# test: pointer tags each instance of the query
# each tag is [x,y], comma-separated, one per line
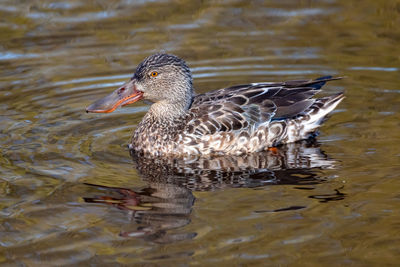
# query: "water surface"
[72,194]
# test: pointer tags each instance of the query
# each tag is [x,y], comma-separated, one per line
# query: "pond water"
[72,194]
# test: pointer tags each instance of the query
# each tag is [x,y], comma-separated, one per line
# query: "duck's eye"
[154,74]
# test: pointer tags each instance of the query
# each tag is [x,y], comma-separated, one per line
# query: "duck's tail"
[318,112]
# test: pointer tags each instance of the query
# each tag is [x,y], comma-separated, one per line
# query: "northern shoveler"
[235,120]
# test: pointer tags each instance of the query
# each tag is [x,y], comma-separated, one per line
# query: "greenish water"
[72,195]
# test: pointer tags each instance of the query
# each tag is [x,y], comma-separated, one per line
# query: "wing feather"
[239,107]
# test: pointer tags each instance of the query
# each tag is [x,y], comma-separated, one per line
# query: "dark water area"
[71,193]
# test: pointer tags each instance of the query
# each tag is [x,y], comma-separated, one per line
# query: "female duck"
[235,120]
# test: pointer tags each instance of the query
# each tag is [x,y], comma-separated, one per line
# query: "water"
[72,194]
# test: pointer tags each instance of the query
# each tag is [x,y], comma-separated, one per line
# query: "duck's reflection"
[167,201]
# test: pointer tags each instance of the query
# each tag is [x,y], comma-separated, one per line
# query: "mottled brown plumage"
[235,120]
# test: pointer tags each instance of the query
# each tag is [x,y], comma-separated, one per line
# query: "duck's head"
[160,78]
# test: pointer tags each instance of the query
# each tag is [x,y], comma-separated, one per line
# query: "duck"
[237,120]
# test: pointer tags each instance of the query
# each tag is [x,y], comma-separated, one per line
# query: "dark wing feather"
[224,116]
[242,106]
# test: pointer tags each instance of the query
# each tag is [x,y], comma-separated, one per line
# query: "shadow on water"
[166,203]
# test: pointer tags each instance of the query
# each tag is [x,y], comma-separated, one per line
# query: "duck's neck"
[164,112]
[160,126]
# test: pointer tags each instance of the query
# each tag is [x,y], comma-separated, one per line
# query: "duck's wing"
[244,106]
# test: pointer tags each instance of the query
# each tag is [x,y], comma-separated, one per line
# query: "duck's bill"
[126,94]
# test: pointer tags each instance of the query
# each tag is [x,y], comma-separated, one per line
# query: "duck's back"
[252,117]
